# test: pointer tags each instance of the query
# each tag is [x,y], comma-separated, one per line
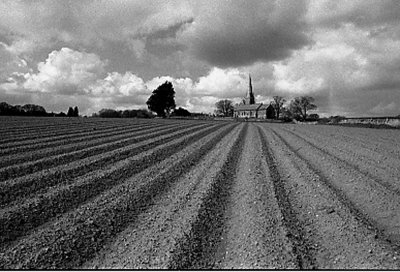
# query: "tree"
[162,100]
[224,107]
[299,106]
[76,112]
[181,112]
[313,117]
[109,113]
[70,112]
[278,104]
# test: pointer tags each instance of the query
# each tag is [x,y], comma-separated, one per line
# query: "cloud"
[361,13]
[10,62]
[120,90]
[66,71]
[222,83]
[347,70]
[114,53]
[237,33]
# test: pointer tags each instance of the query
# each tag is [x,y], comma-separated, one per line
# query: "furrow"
[63,158]
[374,142]
[255,235]
[63,137]
[198,248]
[355,157]
[149,243]
[364,170]
[77,236]
[337,238]
[26,185]
[296,232]
[374,205]
[17,139]
[24,216]
[38,151]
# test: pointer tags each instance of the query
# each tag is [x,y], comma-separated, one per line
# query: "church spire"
[250,96]
[250,86]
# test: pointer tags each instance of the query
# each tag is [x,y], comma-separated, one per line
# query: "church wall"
[262,114]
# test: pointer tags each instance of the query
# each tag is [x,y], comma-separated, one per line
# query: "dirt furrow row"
[34,124]
[373,204]
[197,250]
[65,173]
[16,139]
[256,235]
[302,247]
[370,136]
[340,237]
[24,168]
[35,152]
[151,242]
[386,174]
[78,235]
[49,127]
[61,138]
[23,216]
[380,151]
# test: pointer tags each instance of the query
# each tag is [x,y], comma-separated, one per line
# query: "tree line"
[162,103]
[298,108]
[34,110]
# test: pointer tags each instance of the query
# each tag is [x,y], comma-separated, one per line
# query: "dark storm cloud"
[163,42]
[237,33]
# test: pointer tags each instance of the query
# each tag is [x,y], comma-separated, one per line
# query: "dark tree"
[278,104]
[70,112]
[61,114]
[299,106]
[181,112]
[162,100]
[109,113]
[76,111]
[224,107]
[313,117]
[26,110]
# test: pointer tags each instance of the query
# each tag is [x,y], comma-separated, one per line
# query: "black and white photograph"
[200,134]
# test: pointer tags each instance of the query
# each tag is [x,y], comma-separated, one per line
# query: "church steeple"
[250,96]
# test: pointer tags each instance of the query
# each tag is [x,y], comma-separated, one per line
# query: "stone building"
[248,108]
[266,112]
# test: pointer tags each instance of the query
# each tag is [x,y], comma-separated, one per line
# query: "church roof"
[242,107]
[265,106]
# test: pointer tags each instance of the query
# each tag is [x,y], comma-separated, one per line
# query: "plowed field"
[188,194]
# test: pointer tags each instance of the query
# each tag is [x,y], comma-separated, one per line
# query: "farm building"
[248,108]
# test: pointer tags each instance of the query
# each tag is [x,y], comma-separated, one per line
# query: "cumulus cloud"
[66,71]
[347,70]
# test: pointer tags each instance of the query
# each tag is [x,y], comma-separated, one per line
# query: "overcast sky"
[113,54]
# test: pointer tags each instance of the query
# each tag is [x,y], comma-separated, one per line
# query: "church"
[248,108]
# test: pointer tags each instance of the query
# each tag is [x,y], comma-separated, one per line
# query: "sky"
[113,54]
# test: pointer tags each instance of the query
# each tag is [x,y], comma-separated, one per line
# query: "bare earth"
[178,194]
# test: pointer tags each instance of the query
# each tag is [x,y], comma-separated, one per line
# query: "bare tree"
[224,107]
[278,104]
[301,105]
